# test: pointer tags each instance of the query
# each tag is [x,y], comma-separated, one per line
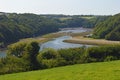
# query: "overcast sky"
[74,7]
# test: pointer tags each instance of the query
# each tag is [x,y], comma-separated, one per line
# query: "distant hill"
[92,71]
[108,29]
[15,26]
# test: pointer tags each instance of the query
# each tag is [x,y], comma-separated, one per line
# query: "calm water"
[58,43]
[73,30]
[2,53]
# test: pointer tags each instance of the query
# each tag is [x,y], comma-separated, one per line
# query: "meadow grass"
[79,38]
[37,39]
[91,41]
[91,17]
[44,38]
[91,71]
[53,35]
[65,18]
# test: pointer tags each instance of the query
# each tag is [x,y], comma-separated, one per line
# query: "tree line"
[17,26]
[25,56]
[108,29]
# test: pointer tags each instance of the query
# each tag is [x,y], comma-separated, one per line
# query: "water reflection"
[2,54]
[59,44]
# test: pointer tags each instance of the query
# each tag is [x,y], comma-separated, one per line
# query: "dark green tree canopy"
[108,29]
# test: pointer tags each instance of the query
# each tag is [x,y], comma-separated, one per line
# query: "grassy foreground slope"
[92,71]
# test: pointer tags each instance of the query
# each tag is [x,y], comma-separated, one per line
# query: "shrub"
[72,55]
[21,57]
[104,53]
[48,58]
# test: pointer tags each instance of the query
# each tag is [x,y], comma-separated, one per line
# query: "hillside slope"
[108,29]
[93,71]
[19,26]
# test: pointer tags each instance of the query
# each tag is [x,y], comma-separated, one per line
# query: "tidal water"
[58,43]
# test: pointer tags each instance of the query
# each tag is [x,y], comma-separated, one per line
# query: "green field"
[92,71]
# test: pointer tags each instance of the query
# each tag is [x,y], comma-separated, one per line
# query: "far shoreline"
[91,41]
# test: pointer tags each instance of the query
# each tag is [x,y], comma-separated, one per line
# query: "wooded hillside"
[108,29]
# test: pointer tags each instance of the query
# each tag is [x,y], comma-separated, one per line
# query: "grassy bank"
[44,38]
[53,35]
[38,39]
[90,41]
[50,36]
[93,71]
[79,38]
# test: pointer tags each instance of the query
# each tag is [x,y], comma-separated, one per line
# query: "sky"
[68,7]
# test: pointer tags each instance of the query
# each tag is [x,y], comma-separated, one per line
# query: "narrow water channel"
[58,43]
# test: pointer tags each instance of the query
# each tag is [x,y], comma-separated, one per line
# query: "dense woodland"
[17,26]
[25,56]
[108,29]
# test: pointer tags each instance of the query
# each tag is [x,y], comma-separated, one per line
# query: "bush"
[48,58]
[104,53]
[13,64]
[72,55]
[21,57]
[30,54]
[29,58]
